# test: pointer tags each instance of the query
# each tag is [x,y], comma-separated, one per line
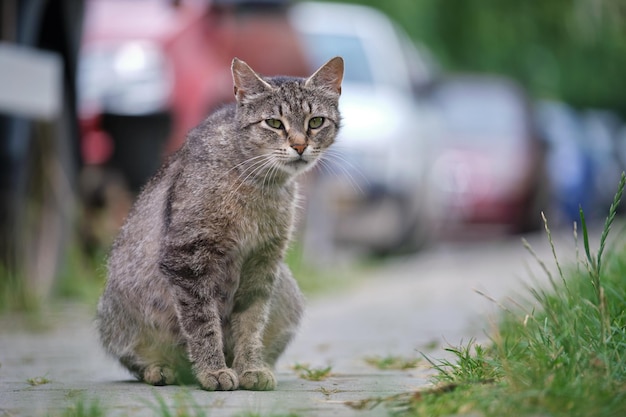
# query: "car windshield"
[322,47]
[487,114]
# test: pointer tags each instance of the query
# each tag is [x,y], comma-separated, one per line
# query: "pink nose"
[299,147]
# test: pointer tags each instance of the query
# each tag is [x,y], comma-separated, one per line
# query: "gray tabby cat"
[197,284]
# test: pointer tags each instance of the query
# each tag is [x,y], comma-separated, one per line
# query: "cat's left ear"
[247,82]
[329,76]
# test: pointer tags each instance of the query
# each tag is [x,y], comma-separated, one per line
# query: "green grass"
[82,275]
[183,406]
[14,293]
[560,353]
[82,408]
[392,362]
[312,374]
[38,380]
[255,414]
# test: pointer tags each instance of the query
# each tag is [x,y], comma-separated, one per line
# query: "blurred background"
[463,120]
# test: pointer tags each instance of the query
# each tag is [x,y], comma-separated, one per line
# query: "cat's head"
[287,122]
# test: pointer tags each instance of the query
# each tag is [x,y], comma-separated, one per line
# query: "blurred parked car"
[601,130]
[150,70]
[371,191]
[490,170]
[569,164]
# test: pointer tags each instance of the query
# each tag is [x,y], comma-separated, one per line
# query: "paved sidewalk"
[416,304]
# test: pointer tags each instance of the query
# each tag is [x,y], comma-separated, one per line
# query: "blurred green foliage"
[574,50]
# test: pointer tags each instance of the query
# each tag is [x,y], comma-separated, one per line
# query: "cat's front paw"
[220,380]
[159,375]
[257,380]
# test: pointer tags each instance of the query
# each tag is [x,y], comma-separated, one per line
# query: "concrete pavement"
[421,303]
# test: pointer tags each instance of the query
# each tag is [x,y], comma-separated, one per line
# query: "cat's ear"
[328,76]
[246,82]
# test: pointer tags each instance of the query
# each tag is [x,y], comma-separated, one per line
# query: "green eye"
[275,123]
[316,122]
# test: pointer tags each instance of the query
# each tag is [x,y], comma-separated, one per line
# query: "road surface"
[405,307]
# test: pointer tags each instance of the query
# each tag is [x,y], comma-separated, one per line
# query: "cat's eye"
[316,122]
[274,123]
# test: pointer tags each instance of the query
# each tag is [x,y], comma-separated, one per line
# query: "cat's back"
[205,148]
[211,138]
[136,247]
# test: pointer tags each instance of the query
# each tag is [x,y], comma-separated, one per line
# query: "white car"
[373,191]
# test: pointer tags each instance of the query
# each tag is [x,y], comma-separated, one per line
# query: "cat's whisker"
[273,171]
[327,161]
[259,163]
[267,165]
[239,165]
[271,164]
[253,167]
[326,167]
[319,161]
[338,155]
[252,164]
[336,170]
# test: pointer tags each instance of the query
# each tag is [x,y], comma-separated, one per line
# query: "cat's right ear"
[328,76]
[247,83]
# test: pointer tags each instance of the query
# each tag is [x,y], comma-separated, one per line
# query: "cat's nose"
[299,147]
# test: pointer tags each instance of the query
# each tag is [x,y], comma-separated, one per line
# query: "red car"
[150,70]
[490,169]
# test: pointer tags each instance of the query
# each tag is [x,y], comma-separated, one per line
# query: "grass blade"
[610,218]
[583,225]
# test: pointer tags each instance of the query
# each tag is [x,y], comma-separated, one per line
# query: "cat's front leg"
[201,325]
[248,323]
[198,314]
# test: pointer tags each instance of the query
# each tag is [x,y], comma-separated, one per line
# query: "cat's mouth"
[298,165]
[300,161]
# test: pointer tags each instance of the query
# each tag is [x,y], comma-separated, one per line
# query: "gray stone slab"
[402,308]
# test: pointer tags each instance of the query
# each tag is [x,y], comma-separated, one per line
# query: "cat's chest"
[264,220]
